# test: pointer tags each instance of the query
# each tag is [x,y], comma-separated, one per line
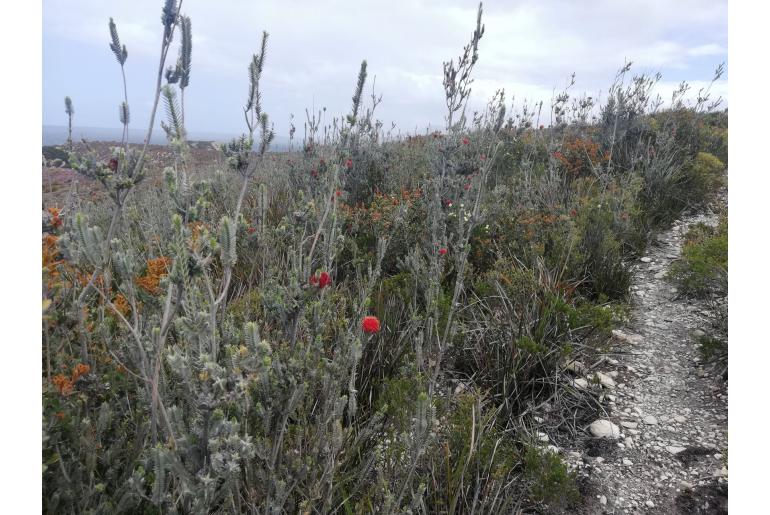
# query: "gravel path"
[670,410]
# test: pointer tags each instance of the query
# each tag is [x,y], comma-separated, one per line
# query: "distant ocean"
[57,135]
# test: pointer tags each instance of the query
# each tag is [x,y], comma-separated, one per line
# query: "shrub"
[600,255]
[53,153]
[204,350]
[549,480]
[704,178]
[580,157]
[702,269]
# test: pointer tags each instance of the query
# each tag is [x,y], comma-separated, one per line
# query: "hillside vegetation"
[366,325]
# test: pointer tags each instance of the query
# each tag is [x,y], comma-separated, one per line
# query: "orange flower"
[51,259]
[121,304]
[80,369]
[56,222]
[63,384]
[156,269]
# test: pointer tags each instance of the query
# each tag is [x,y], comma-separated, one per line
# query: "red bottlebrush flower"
[113,164]
[466,141]
[324,280]
[314,280]
[442,251]
[370,325]
[573,213]
[349,164]
[251,229]
[483,157]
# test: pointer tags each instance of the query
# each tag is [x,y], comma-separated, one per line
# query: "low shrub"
[702,269]
[705,177]
[550,482]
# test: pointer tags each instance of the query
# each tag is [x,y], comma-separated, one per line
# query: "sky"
[530,48]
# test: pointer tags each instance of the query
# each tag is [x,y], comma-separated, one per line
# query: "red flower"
[483,157]
[573,213]
[113,164]
[466,141]
[314,280]
[338,193]
[370,325]
[251,229]
[467,187]
[542,127]
[324,280]
[442,251]
[349,163]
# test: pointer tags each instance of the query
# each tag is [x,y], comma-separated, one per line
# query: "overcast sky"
[315,48]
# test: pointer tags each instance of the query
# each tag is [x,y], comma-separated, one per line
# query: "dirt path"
[671,413]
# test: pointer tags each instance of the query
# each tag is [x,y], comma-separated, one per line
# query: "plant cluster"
[367,325]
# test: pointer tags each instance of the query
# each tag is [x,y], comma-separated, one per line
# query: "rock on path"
[671,413]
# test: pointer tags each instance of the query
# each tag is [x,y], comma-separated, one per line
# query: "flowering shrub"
[580,157]
[157,268]
[238,370]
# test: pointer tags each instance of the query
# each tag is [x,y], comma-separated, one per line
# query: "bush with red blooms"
[321,280]
[370,325]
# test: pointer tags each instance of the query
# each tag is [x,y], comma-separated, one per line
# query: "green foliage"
[550,481]
[53,153]
[713,347]
[705,176]
[599,251]
[702,269]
